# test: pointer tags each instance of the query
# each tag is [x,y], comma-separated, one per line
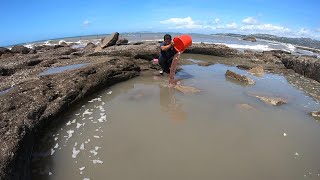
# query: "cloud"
[248,25]
[265,28]
[232,25]
[86,23]
[179,23]
[249,21]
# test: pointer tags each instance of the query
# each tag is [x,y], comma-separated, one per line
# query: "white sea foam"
[97,161]
[52,151]
[78,125]
[70,132]
[94,152]
[82,168]
[258,47]
[82,146]
[87,112]
[75,152]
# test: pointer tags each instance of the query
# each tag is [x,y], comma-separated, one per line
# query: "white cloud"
[265,28]
[179,23]
[86,23]
[232,26]
[249,21]
[318,30]
[217,20]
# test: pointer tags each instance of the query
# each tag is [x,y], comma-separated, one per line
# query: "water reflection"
[170,104]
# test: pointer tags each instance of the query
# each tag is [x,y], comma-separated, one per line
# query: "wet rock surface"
[33,101]
[241,78]
[272,100]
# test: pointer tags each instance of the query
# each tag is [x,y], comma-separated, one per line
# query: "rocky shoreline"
[30,101]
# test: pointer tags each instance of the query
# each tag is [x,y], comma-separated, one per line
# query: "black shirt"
[168,54]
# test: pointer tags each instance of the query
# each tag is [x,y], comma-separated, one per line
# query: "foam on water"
[258,47]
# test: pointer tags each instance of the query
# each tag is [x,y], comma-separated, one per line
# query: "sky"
[31,20]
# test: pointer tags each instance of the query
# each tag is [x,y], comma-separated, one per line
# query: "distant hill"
[307,42]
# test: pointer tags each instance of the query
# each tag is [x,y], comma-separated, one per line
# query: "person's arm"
[165,48]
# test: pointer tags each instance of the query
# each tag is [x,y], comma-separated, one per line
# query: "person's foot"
[161,72]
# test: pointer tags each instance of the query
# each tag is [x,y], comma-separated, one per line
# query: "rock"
[246,107]
[138,43]
[315,114]
[250,38]
[7,55]
[20,49]
[257,71]
[90,45]
[272,101]
[186,89]
[241,78]
[244,67]
[62,43]
[108,41]
[32,51]
[4,51]
[306,66]
[211,49]
[122,41]
[205,63]
[43,47]
[6,71]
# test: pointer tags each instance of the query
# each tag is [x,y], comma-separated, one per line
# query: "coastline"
[33,101]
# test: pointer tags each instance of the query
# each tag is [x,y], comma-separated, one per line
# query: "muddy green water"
[141,129]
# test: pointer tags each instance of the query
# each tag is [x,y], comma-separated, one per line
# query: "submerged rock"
[186,89]
[257,71]
[272,101]
[246,107]
[241,78]
[205,63]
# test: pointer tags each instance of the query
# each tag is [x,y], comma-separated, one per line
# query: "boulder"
[241,78]
[250,38]
[20,49]
[122,41]
[257,71]
[108,41]
[4,51]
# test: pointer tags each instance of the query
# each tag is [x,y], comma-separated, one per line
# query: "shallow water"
[141,129]
[56,70]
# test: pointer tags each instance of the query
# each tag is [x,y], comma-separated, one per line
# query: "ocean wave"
[258,47]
